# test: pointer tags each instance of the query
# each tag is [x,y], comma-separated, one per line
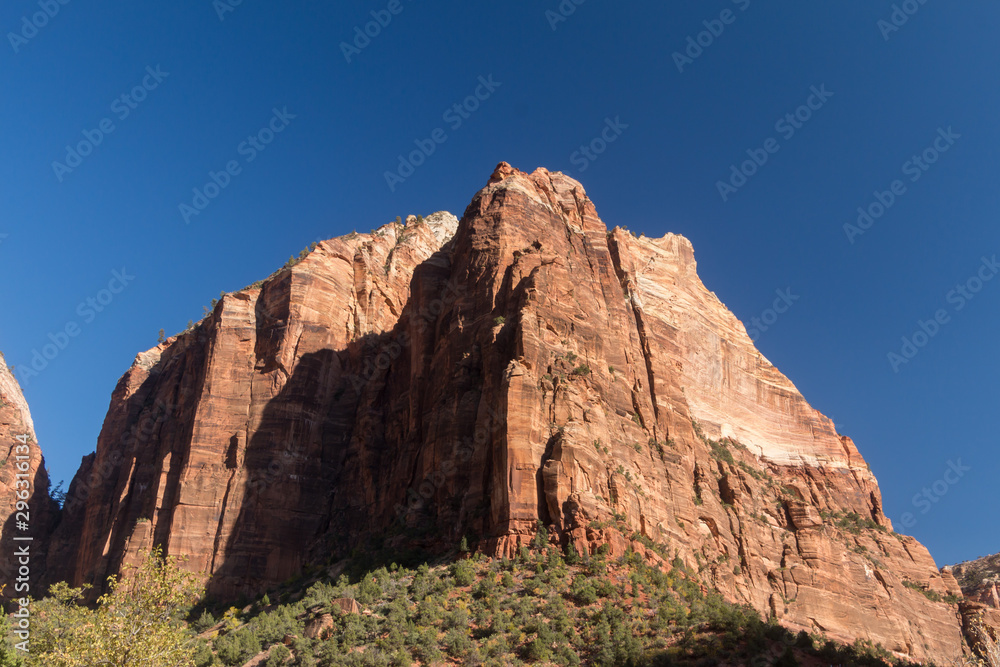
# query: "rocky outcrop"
[525,366]
[26,512]
[979,579]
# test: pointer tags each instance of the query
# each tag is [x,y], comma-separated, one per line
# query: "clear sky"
[152,97]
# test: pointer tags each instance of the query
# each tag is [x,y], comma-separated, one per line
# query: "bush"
[721,452]
[458,643]
[583,591]
[203,656]
[237,647]
[538,651]
[204,622]
[279,654]
[486,587]
[463,572]
[368,591]
[541,539]
[271,628]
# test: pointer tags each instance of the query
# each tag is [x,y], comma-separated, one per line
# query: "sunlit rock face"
[25,508]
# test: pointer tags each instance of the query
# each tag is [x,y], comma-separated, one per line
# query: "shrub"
[368,590]
[279,654]
[499,321]
[203,656]
[237,647]
[463,572]
[582,370]
[270,628]
[538,650]
[485,588]
[583,591]
[721,452]
[541,539]
[204,622]
[457,642]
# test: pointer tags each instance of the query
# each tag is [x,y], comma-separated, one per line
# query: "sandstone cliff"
[524,365]
[24,494]
[980,581]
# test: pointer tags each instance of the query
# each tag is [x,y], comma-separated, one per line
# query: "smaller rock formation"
[25,507]
[981,609]
[979,579]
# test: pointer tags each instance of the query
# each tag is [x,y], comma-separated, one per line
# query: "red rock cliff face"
[449,379]
[24,495]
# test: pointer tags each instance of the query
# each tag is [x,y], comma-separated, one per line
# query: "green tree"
[136,624]
[464,573]
[238,646]
[8,654]
[279,654]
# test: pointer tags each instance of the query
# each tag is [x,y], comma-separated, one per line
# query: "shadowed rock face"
[446,379]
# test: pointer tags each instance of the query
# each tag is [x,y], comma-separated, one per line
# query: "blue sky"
[210,75]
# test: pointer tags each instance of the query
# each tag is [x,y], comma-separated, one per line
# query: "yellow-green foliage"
[136,624]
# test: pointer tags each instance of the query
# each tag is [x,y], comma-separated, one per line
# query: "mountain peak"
[522,367]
